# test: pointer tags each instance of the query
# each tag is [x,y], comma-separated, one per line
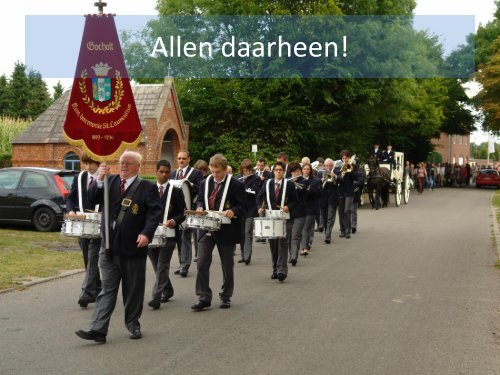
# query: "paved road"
[414,292]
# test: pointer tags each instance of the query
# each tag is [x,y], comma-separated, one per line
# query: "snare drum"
[162,232]
[269,228]
[277,214]
[218,215]
[204,222]
[86,225]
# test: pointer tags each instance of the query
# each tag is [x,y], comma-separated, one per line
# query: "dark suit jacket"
[300,208]
[266,174]
[387,157]
[195,178]
[290,198]
[176,209]
[72,201]
[252,187]
[314,189]
[141,217]
[378,154]
[229,234]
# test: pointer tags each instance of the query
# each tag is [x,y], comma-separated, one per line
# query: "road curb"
[496,230]
[45,279]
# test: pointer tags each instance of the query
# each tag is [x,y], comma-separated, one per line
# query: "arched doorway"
[72,161]
[167,147]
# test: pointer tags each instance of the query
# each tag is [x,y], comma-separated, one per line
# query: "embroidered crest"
[135,209]
[227,205]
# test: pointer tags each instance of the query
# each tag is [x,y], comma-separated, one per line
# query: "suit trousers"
[329,212]
[247,239]
[185,248]
[132,274]
[279,255]
[160,259]
[206,245]
[354,215]
[345,211]
[92,281]
[294,236]
[308,232]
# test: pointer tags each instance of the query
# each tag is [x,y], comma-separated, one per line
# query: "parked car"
[34,196]
[487,177]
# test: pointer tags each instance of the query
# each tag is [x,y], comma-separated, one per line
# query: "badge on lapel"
[135,209]
[227,205]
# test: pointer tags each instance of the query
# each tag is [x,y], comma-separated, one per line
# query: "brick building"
[164,131]
[454,148]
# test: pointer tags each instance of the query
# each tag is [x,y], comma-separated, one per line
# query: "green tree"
[58,91]
[489,97]
[19,93]
[4,95]
[39,98]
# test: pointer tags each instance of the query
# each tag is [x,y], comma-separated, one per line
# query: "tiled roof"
[48,127]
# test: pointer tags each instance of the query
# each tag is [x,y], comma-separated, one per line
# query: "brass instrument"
[329,176]
[297,185]
[347,167]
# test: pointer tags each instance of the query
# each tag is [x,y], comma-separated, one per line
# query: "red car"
[488,177]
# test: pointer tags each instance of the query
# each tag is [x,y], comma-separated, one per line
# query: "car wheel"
[45,220]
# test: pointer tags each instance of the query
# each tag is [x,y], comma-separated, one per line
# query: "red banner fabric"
[102,117]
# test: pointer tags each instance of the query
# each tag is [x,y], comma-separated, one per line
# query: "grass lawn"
[26,255]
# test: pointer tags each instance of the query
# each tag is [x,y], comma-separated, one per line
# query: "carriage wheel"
[407,189]
[397,193]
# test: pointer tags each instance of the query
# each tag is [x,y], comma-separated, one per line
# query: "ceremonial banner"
[102,118]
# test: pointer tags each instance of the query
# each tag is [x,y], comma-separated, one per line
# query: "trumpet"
[347,167]
[297,185]
[329,176]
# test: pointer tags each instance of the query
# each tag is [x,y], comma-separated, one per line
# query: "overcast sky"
[12,20]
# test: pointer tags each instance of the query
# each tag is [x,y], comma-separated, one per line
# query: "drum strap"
[130,194]
[224,194]
[169,196]
[80,198]
[283,195]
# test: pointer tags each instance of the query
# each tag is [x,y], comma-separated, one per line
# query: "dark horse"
[378,181]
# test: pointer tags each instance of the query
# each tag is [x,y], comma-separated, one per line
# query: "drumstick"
[75,216]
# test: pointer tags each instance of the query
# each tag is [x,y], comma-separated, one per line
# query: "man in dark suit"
[134,213]
[329,199]
[279,198]
[260,170]
[90,246]
[224,193]
[388,156]
[194,177]
[160,256]
[376,151]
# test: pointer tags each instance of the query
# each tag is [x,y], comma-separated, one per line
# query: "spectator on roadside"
[421,177]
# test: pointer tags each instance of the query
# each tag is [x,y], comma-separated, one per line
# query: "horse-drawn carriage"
[384,179]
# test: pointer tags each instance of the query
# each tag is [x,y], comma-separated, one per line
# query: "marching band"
[281,205]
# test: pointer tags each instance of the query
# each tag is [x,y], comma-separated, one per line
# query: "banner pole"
[106,214]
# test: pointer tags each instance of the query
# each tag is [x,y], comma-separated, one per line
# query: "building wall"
[453,148]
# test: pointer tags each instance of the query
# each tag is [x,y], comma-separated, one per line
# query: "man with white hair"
[305,160]
[134,213]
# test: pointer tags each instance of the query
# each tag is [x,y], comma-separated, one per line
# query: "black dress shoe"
[154,304]
[328,241]
[91,335]
[294,262]
[241,261]
[84,302]
[183,272]
[348,235]
[165,299]
[281,276]
[353,230]
[274,276]
[177,271]
[200,305]
[135,334]
[225,303]
[342,235]
[247,262]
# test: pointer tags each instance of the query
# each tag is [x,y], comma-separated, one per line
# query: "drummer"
[160,256]
[277,194]
[90,246]
[226,194]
